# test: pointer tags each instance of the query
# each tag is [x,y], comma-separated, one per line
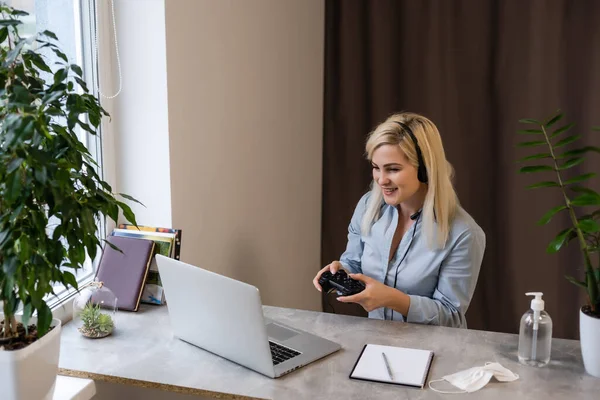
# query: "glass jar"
[95,310]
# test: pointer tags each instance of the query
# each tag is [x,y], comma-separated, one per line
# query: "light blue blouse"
[440,283]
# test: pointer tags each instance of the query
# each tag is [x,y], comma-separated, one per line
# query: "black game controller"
[341,282]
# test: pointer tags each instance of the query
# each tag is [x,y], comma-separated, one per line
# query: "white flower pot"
[589,332]
[30,373]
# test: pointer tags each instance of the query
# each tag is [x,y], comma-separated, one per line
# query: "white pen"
[387,366]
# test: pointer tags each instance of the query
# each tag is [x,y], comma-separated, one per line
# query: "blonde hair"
[441,202]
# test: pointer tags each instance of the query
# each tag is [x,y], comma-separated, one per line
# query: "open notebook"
[409,367]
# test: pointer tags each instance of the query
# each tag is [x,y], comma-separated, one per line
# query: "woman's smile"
[389,191]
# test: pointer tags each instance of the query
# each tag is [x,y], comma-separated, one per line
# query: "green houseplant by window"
[51,196]
[584,227]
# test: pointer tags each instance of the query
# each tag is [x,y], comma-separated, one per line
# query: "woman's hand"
[375,295]
[333,268]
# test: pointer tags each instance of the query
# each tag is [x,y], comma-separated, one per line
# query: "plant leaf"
[69,278]
[581,189]
[3,34]
[576,282]
[87,220]
[586,199]
[577,152]
[571,163]
[128,197]
[553,120]
[4,235]
[127,213]
[535,157]
[558,241]
[535,168]
[13,184]
[532,144]
[14,164]
[113,246]
[27,311]
[52,96]
[39,62]
[49,34]
[561,130]
[589,226]
[61,55]
[77,69]
[548,216]
[543,184]
[10,265]
[25,250]
[82,84]
[113,212]
[567,140]
[579,178]
[531,131]
[60,75]
[19,13]
[529,121]
[10,22]
[44,319]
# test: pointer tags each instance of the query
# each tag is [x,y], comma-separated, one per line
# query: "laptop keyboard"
[280,353]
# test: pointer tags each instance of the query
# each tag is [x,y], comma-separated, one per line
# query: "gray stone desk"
[144,352]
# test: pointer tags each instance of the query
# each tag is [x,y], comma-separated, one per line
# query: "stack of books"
[167,243]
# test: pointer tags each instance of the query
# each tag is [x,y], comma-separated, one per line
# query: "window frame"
[85,28]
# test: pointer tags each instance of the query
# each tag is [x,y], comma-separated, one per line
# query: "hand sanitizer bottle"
[535,334]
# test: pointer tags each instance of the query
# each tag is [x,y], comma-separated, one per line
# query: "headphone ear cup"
[421,171]
[422,174]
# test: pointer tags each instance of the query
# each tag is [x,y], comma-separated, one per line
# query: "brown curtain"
[475,68]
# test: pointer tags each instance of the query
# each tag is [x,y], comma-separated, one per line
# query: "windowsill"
[69,388]
[64,311]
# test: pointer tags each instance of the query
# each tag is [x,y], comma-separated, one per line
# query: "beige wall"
[245,99]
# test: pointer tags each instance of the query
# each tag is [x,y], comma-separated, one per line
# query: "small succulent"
[95,323]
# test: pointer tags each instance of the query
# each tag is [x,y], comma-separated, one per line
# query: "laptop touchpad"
[279,332]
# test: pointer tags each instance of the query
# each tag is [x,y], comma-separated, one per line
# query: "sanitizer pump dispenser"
[535,334]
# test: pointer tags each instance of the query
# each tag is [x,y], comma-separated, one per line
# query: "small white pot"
[589,332]
[30,373]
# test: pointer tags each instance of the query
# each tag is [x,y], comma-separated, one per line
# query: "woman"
[409,241]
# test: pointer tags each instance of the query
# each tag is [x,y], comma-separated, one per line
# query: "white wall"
[136,141]
[245,91]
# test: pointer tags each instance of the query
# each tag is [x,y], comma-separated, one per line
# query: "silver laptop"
[225,317]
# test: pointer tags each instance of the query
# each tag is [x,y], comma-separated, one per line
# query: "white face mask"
[473,379]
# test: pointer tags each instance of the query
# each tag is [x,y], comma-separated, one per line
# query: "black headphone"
[421,170]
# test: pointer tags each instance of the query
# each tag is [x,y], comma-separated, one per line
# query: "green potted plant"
[51,200]
[584,227]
